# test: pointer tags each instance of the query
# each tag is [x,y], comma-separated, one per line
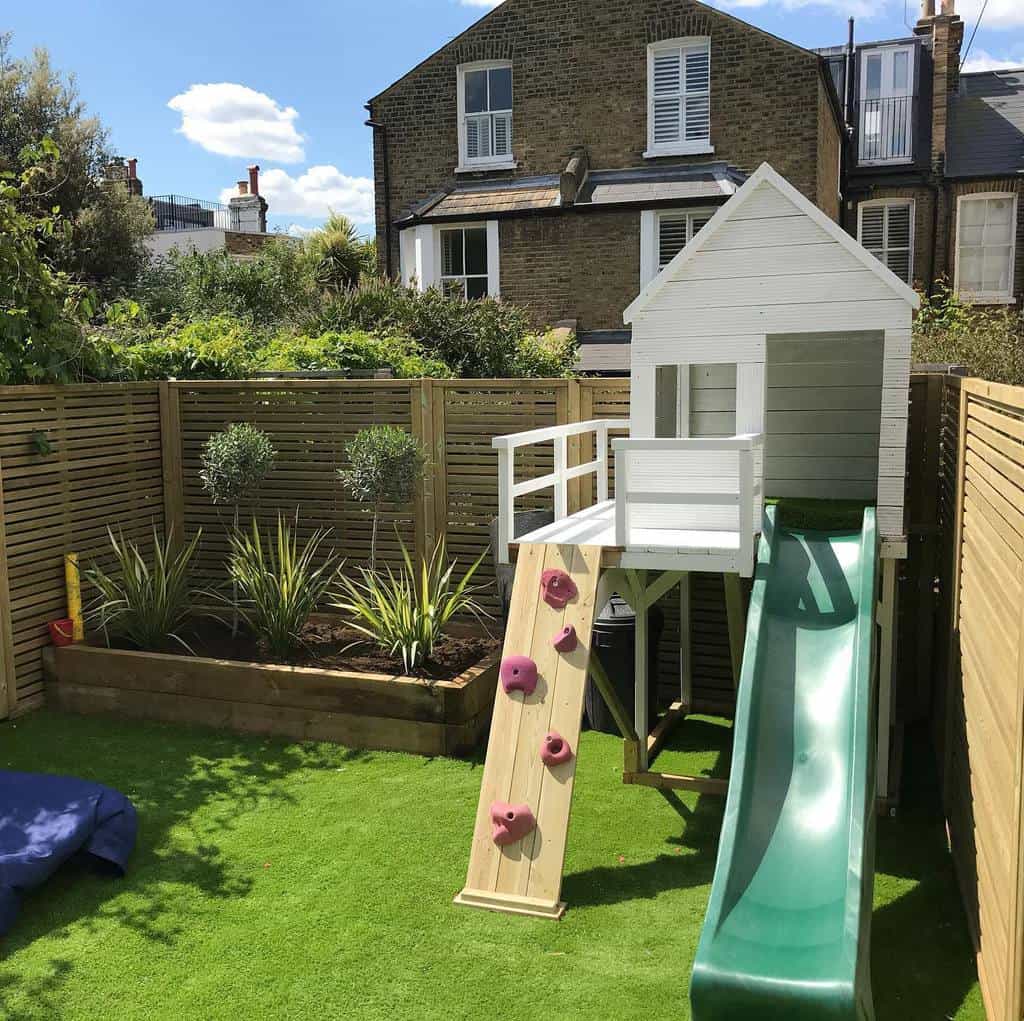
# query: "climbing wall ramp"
[522,820]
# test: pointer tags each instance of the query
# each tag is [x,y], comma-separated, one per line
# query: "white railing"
[559,479]
[699,487]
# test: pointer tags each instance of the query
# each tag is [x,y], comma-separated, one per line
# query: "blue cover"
[45,820]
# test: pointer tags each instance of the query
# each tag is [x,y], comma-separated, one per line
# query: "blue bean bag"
[45,820]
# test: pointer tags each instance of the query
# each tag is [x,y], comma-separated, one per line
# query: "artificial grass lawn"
[275,880]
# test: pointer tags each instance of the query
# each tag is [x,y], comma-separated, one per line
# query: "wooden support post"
[737,613]
[170,448]
[438,459]
[641,682]
[685,646]
[8,679]
[575,450]
[886,667]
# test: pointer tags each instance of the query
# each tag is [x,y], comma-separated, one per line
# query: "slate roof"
[641,185]
[604,352]
[486,198]
[986,125]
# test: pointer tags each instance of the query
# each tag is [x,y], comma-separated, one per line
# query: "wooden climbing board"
[525,878]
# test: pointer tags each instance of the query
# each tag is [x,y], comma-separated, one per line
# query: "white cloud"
[982,60]
[234,120]
[998,14]
[853,8]
[315,193]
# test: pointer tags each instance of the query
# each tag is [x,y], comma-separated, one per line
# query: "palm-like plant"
[406,613]
[279,584]
[144,602]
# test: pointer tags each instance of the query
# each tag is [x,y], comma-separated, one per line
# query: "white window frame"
[994,298]
[467,165]
[890,201]
[680,147]
[650,236]
[420,254]
[887,53]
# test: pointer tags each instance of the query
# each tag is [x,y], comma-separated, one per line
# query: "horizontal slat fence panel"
[309,426]
[75,460]
[979,501]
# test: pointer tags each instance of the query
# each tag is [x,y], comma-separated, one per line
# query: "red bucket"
[62,632]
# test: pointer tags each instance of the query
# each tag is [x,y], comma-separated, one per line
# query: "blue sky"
[197,91]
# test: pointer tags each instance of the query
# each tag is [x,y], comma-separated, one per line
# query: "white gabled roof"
[765,174]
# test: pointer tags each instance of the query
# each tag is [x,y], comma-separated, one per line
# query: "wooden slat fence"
[75,459]
[981,588]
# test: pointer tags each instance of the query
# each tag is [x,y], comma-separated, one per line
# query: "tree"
[101,237]
[41,311]
[385,464]
[340,257]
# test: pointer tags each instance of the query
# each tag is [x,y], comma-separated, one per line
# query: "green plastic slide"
[787,929]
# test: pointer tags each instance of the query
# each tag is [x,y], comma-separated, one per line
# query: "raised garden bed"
[353,707]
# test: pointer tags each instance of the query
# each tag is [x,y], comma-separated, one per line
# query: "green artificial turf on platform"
[820,515]
[275,880]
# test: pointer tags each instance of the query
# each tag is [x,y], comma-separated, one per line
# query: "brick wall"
[580,78]
[241,243]
[575,265]
[829,146]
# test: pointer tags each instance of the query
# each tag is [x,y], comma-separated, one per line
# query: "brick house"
[558,154]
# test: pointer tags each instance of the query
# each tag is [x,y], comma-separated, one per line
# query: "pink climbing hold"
[566,640]
[510,822]
[557,588]
[554,749]
[518,673]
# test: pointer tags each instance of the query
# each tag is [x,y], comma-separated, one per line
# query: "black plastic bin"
[614,638]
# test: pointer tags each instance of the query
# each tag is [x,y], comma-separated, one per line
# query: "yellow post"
[74,587]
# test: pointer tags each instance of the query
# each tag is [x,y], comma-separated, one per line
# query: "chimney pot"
[254,179]
[949,7]
[132,172]
[927,9]
[243,187]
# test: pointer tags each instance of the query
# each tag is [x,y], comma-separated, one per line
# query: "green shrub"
[988,341]
[235,462]
[546,355]
[385,464]
[141,601]
[221,347]
[278,583]
[339,256]
[349,352]
[406,614]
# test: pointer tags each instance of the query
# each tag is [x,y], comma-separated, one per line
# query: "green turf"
[276,880]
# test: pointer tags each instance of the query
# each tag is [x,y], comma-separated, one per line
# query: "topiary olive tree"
[385,464]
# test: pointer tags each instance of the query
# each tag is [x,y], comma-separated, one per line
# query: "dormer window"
[679,97]
[485,116]
[886,105]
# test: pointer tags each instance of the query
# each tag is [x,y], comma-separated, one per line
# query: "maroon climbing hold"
[554,749]
[518,673]
[557,587]
[565,640]
[510,822]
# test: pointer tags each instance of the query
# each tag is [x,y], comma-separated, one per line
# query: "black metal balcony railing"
[175,212]
[885,130]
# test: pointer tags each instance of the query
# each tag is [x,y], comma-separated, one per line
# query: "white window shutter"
[898,240]
[503,134]
[872,229]
[473,138]
[672,237]
[666,101]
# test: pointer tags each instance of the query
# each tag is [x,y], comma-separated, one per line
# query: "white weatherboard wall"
[775,287]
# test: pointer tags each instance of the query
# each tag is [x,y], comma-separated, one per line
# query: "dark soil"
[332,646]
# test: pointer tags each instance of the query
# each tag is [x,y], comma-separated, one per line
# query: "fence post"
[438,457]
[573,415]
[953,653]
[422,415]
[170,450]
[8,680]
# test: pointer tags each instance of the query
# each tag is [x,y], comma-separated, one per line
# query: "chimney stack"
[946,31]
[249,208]
[133,164]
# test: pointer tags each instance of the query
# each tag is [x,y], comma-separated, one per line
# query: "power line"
[977,25]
